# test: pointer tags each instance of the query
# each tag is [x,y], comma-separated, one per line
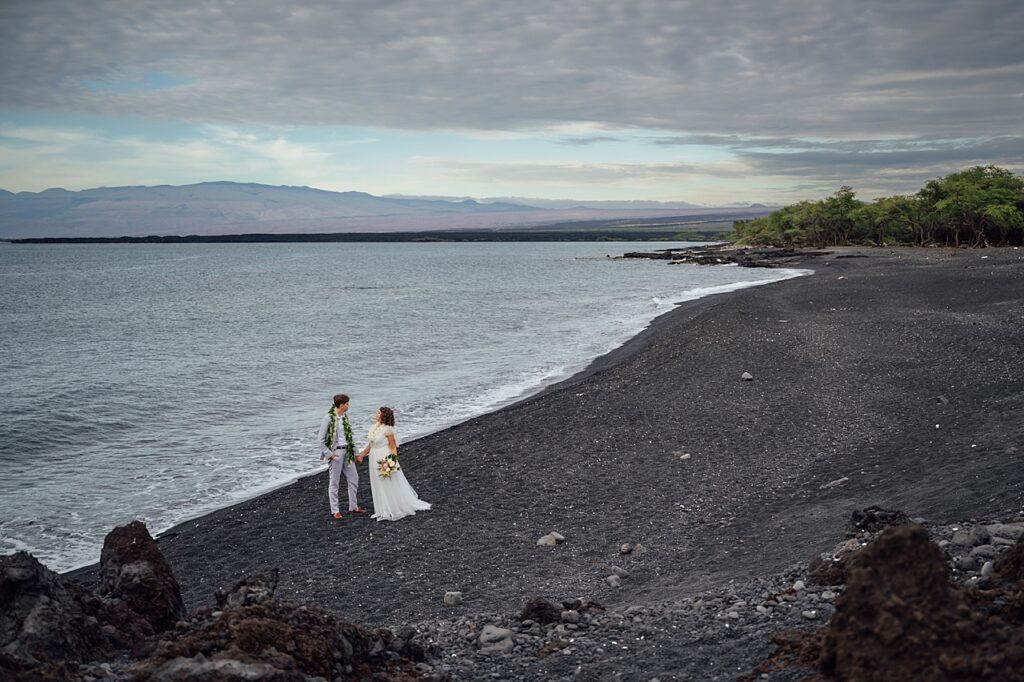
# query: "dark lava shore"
[892,378]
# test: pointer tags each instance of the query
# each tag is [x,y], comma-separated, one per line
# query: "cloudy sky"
[708,101]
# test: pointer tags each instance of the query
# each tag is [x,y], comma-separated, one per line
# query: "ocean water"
[160,382]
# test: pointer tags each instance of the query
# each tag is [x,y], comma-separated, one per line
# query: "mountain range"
[215,208]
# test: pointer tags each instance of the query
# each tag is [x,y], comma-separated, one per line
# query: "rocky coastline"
[728,254]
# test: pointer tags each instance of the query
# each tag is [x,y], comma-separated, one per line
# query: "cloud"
[585,141]
[797,94]
[915,67]
[579,174]
[75,158]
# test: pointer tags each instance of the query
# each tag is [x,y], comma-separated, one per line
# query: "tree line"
[979,206]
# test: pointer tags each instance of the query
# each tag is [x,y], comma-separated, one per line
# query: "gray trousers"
[351,475]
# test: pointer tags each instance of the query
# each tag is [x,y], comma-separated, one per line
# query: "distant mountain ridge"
[218,208]
[561,204]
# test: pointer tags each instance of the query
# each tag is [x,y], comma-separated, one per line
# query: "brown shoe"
[358,510]
[338,515]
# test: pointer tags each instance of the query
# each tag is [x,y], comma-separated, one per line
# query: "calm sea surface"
[163,381]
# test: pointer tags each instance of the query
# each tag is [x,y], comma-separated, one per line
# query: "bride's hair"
[387,416]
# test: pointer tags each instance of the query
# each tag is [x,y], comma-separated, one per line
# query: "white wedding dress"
[393,497]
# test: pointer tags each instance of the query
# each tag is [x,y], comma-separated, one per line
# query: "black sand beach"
[890,377]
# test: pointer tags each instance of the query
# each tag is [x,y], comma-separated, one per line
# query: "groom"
[338,448]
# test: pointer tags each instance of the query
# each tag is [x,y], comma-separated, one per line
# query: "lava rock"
[134,571]
[541,611]
[875,519]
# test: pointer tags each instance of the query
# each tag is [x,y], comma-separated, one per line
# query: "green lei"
[332,430]
[350,444]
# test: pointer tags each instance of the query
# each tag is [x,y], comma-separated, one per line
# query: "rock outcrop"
[901,616]
[134,572]
[136,628]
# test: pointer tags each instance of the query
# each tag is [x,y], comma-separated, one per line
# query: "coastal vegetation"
[979,206]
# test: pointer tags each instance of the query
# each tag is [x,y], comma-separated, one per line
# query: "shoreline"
[847,367]
[585,368]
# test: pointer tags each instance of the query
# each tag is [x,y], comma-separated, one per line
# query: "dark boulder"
[1009,566]
[135,572]
[541,611]
[45,619]
[900,617]
[876,519]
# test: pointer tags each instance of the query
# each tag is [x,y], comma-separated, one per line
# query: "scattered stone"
[760,608]
[614,580]
[570,616]
[988,569]
[835,483]
[733,614]
[962,538]
[626,548]
[547,541]
[551,647]
[452,598]
[620,571]
[798,585]
[1013,531]
[747,376]
[495,640]
[984,551]
[942,400]
[559,538]
[828,595]
[966,564]
[809,615]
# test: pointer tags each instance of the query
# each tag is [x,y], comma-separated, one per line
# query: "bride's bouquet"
[388,466]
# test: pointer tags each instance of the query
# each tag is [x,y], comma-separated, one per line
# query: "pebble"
[452,598]
[799,585]
[614,580]
[547,541]
[559,538]
[733,614]
[809,615]
[747,376]
[987,570]
[962,538]
[761,608]
[626,548]
[828,595]
[984,551]
[495,640]
[570,616]
[620,571]
[1006,530]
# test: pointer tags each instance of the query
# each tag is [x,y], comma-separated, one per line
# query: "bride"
[393,497]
